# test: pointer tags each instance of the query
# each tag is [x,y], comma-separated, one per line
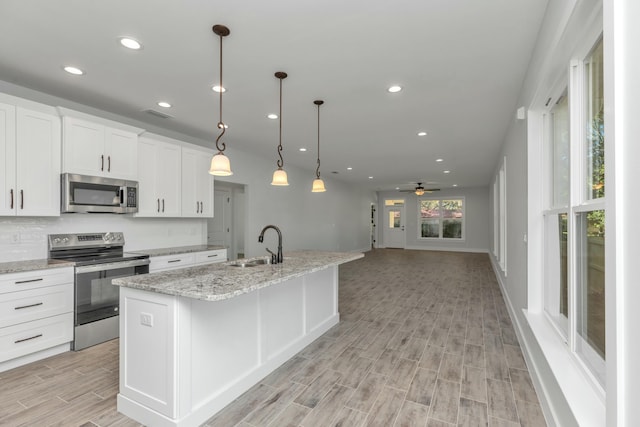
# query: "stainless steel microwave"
[94,194]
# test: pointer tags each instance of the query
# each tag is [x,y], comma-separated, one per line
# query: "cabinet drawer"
[29,337]
[170,262]
[35,279]
[33,304]
[208,257]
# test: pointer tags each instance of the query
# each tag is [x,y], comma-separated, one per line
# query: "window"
[441,218]
[574,213]
[556,293]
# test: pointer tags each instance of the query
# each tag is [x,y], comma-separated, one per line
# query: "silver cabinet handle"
[28,281]
[11,199]
[108,163]
[212,256]
[21,199]
[162,205]
[173,260]
[158,205]
[27,339]
[102,162]
[197,207]
[28,306]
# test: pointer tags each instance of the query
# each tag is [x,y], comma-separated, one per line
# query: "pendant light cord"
[318,168]
[219,144]
[280,162]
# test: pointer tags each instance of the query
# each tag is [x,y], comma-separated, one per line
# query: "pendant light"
[318,183]
[419,189]
[280,176]
[220,165]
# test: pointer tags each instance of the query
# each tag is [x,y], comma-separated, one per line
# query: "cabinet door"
[204,185]
[83,147]
[197,184]
[37,163]
[122,154]
[7,159]
[148,198]
[169,179]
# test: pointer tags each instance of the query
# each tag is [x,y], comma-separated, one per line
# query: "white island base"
[182,359]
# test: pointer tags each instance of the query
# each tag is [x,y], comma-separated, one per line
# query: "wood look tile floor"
[424,340]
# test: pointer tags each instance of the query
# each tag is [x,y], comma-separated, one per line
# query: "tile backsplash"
[26,238]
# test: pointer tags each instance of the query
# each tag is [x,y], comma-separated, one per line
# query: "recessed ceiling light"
[439,160]
[394,89]
[303,149]
[423,133]
[370,177]
[164,104]
[217,88]
[73,70]
[397,188]
[272,116]
[349,168]
[454,185]
[130,43]
[446,172]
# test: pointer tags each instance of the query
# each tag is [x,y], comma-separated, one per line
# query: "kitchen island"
[194,339]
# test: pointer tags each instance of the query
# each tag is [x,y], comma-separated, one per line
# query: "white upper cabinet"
[159,178]
[93,148]
[197,184]
[30,147]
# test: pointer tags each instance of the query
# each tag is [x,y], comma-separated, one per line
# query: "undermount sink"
[251,263]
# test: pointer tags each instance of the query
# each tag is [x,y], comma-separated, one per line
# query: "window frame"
[440,238]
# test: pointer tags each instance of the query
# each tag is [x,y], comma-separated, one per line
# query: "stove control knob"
[119,237]
[65,240]
[56,240]
[108,237]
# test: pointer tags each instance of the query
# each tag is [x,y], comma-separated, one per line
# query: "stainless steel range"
[98,258]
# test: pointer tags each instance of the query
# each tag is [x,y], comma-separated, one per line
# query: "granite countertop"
[32,265]
[178,250]
[215,282]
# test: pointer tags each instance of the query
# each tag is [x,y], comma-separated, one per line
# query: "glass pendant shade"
[220,165]
[318,186]
[280,178]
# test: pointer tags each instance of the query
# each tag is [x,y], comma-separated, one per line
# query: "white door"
[393,234]
[219,227]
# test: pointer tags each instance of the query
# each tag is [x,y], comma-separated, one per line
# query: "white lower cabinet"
[198,356]
[190,259]
[36,315]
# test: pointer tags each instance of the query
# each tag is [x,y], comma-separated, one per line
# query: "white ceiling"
[461,64]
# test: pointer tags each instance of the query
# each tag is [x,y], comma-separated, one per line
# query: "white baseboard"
[447,249]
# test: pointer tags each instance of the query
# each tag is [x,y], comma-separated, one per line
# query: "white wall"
[337,220]
[565,26]
[477,200]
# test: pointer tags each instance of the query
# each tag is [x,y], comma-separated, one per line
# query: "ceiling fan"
[420,190]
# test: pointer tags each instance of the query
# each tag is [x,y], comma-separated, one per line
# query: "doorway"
[226,228]
[394,224]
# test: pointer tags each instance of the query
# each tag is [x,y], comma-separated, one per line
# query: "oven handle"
[111,266]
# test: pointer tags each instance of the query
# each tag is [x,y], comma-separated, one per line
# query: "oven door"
[95,297]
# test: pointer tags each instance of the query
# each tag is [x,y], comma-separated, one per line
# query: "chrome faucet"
[275,258]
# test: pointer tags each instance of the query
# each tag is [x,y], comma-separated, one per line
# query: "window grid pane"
[594,91]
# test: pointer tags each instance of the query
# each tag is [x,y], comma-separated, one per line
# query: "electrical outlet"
[146,319]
